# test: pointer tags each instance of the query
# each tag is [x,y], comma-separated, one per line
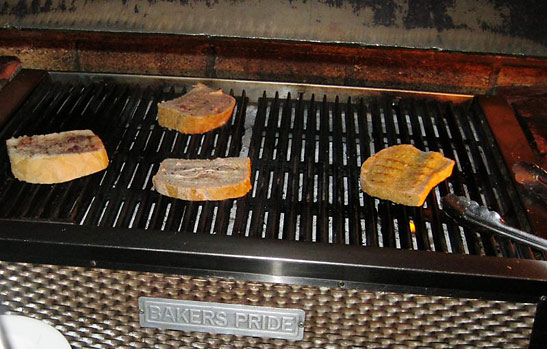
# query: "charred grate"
[306,156]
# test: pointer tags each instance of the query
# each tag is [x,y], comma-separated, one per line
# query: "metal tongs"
[532,178]
[469,212]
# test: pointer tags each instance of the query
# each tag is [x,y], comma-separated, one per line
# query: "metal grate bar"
[338,177]
[371,217]
[98,209]
[290,229]
[127,148]
[422,238]
[433,143]
[355,236]
[279,125]
[402,212]
[454,236]
[391,230]
[244,211]
[309,175]
[306,157]
[385,207]
[259,221]
[115,174]
[324,158]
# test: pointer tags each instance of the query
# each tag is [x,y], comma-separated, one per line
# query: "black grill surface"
[306,154]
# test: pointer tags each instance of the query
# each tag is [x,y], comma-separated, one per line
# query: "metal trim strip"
[255,89]
[277,261]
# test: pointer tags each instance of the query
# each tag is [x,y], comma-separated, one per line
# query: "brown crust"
[408,184]
[206,194]
[58,168]
[175,119]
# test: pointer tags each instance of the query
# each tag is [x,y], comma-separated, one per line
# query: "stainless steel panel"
[98,308]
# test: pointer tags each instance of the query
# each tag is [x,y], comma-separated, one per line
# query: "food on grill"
[404,174]
[200,110]
[56,157]
[204,180]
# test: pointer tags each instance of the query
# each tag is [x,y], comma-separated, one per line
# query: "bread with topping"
[203,179]
[404,174]
[56,157]
[201,110]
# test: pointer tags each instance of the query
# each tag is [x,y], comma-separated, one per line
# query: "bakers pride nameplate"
[245,320]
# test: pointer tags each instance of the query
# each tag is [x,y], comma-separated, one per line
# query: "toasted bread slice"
[404,174]
[200,110]
[204,180]
[56,157]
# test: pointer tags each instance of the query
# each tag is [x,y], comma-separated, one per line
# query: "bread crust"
[175,119]
[204,194]
[217,193]
[405,182]
[56,168]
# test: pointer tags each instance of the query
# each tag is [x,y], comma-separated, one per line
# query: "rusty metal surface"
[515,147]
[530,106]
[250,59]
[96,308]
[492,26]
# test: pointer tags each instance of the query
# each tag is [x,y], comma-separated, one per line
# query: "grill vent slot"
[306,155]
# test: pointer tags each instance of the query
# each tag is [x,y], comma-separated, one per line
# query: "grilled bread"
[56,157]
[200,110]
[404,174]
[204,180]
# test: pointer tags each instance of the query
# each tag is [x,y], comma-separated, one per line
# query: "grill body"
[306,146]
[306,236]
[107,316]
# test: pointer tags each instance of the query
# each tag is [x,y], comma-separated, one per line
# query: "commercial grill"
[316,96]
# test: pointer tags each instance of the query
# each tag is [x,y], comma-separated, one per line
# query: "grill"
[366,272]
[306,157]
[306,146]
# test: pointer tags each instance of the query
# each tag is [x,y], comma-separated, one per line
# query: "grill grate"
[306,156]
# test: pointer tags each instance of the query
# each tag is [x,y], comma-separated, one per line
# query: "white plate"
[27,333]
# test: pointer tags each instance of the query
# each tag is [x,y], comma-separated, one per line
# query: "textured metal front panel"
[97,308]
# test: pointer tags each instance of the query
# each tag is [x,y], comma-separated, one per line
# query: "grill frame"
[276,260]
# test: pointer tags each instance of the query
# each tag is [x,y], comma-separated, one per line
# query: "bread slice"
[200,110]
[201,180]
[56,157]
[404,174]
